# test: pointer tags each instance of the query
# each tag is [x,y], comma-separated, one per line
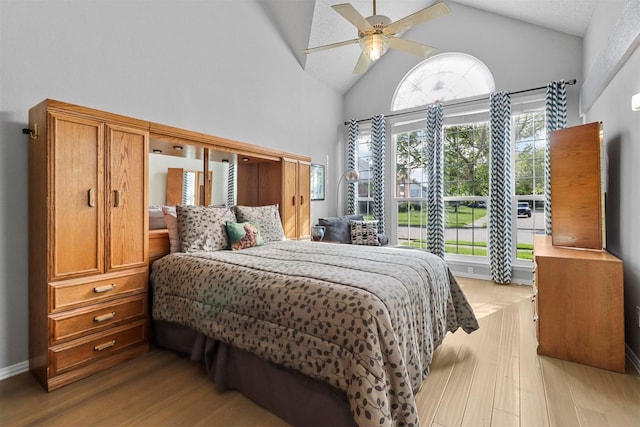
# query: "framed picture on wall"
[317,182]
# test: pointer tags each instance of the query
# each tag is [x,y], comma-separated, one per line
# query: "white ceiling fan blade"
[330,46]
[417,18]
[349,13]
[362,64]
[421,50]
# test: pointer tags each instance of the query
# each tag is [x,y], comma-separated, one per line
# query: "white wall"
[519,55]
[604,17]
[216,67]
[621,128]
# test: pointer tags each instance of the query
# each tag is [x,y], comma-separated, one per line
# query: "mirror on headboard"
[183,166]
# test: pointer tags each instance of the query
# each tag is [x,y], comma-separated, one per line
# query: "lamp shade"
[351,175]
[635,102]
[374,45]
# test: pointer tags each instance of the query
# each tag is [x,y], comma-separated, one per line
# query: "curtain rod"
[569,82]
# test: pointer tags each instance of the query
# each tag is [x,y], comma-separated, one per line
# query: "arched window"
[443,77]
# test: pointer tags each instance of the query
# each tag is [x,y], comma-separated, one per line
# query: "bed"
[318,333]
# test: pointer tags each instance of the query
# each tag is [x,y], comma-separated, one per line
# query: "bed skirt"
[292,396]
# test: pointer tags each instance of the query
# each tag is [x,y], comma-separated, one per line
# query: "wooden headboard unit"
[158,244]
[264,177]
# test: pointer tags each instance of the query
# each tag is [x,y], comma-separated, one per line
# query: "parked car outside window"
[524,209]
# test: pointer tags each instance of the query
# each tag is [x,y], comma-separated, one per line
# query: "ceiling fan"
[376,34]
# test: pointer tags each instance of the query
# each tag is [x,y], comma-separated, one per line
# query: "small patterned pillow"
[266,217]
[203,228]
[243,235]
[364,232]
[171,218]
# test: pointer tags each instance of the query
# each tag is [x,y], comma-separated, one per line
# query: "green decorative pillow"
[243,235]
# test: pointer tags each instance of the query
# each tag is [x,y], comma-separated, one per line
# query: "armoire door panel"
[127,197]
[289,199]
[304,192]
[577,200]
[77,194]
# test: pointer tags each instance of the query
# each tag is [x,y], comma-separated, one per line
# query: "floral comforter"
[364,319]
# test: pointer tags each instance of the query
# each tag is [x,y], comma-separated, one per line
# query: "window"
[443,77]
[529,147]
[466,188]
[466,159]
[466,171]
[364,165]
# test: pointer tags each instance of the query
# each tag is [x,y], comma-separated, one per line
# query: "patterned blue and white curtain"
[231,184]
[500,188]
[351,164]
[378,141]
[556,104]
[435,182]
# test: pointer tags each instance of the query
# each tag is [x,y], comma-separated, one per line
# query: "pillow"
[266,217]
[170,217]
[364,232]
[156,218]
[203,228]
[338,229]
[243,235]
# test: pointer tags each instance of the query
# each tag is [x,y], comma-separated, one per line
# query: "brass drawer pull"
[92,197]
[105,288]
[104,317]
[104,346]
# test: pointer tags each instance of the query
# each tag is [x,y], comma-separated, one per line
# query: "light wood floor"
[492,377]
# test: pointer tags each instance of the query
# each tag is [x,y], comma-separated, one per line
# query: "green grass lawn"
[524,250]
[464,217]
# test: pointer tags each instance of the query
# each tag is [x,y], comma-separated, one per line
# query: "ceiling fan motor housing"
[378,22]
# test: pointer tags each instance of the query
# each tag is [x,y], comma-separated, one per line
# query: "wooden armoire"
[88,240]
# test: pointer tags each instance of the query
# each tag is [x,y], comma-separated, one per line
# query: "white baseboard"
[633,359]
[12,370]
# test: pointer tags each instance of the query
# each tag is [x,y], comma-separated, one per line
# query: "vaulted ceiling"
[310,23]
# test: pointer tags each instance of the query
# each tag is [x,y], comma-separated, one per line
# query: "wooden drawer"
[73,324]
[82,292]
[65,357]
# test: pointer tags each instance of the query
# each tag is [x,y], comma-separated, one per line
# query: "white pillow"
[171,219]
[156,218]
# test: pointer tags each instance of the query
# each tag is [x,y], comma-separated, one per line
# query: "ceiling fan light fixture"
[374,45]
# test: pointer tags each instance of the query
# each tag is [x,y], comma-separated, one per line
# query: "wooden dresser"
[579,306]
[88,241]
